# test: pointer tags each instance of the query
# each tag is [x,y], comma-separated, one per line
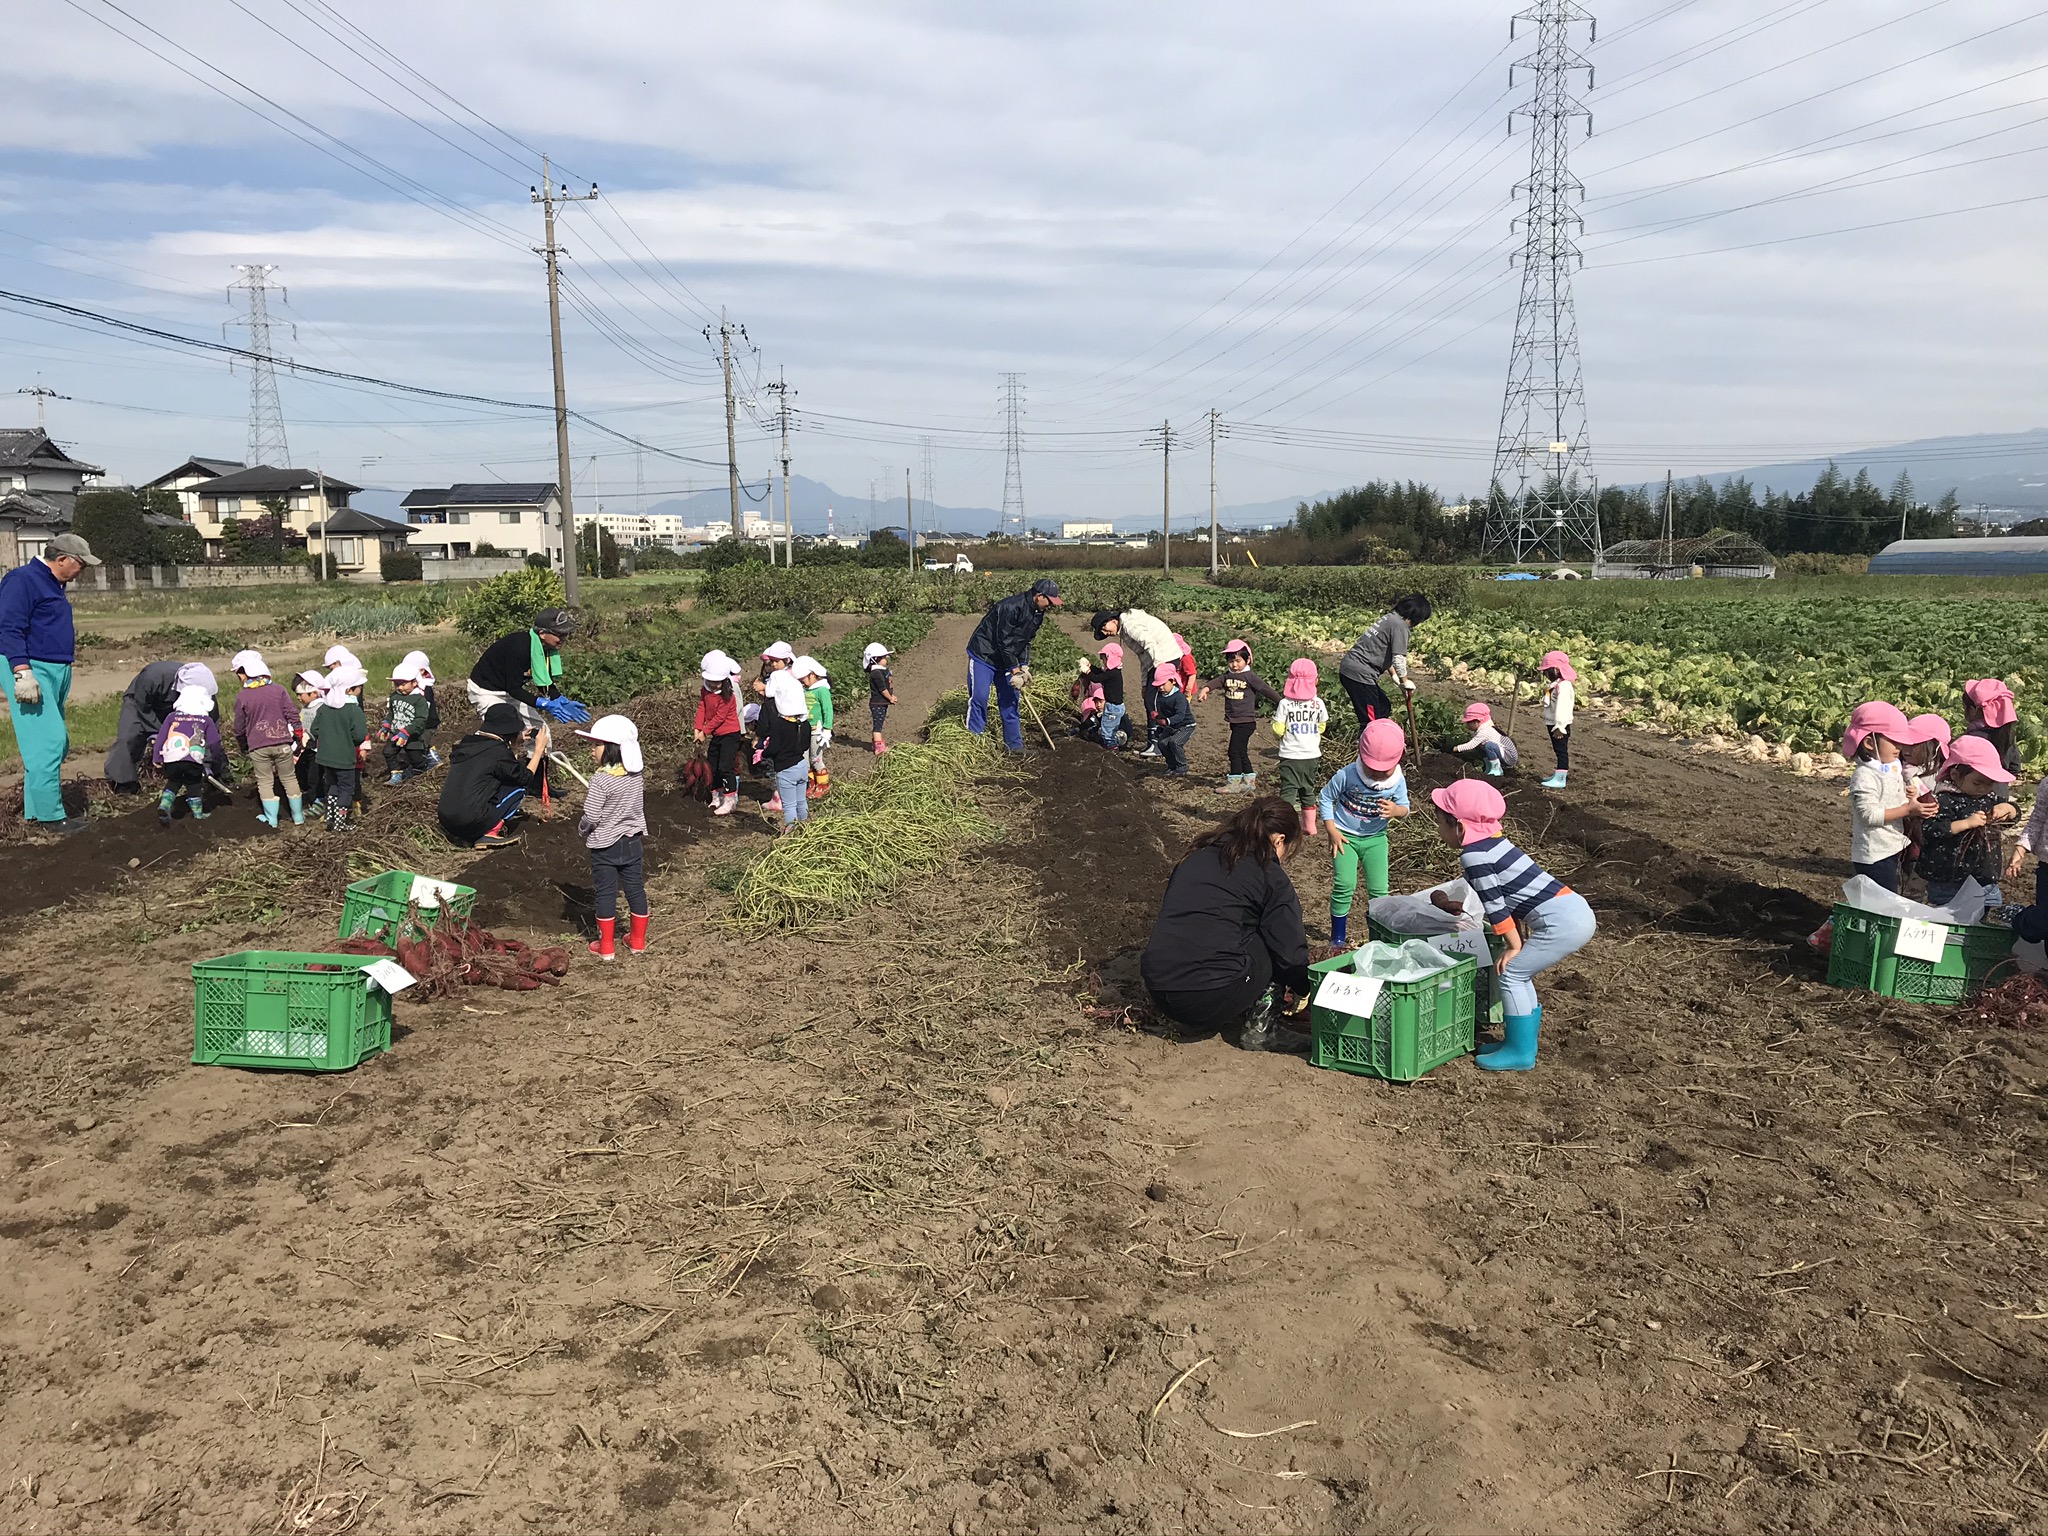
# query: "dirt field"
[911,1224]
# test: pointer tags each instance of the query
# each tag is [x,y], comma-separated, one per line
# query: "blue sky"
[1296,215]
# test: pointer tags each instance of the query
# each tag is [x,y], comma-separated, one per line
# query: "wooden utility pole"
[732,450]
[547,194]
[1166,497]
[1213,561]
[1667,519]
[781,388]
[909,520]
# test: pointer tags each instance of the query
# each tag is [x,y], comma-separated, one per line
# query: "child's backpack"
[185,742]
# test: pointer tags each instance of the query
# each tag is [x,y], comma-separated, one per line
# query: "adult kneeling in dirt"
[999,657]
[487,784]
[38,640]
[145,705]
[1230,928]
[524,669]
[1381,649]
[1156,648]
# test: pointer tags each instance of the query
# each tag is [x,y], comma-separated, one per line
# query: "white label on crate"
[389,975]
[1466,941]
[431,893]
[1346,992]
[1920,940]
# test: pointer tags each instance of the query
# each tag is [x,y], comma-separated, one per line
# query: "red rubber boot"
[602,946]
[636,937]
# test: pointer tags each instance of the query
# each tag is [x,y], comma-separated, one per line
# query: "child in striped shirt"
[1541,921]
[614,828]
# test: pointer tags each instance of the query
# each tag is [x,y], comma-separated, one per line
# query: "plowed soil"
[918,1223]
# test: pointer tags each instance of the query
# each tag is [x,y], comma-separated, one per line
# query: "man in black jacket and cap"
[487,782]
[999,657]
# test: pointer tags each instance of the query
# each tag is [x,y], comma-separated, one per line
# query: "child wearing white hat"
[614,829]
[785,744]
[267,726]
[407,716]
[717,728]
[875,662]
[809,671]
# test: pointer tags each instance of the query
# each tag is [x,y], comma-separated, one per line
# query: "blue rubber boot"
[1517,1049]
[1556,780]
[1493,767]
[1340,928]
[268,815]
[195,807]
[298,806]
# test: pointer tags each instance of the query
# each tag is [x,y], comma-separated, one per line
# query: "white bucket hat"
[779,651]
[617,731]
[716,667]
[406,672]
[808,666]
[874,653]
[311,679]
[250,664]
[340,656]
[340,680]
[787,695]
[192,701]
[197,674]
[419,659]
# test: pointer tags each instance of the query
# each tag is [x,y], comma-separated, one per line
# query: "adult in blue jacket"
[37,638]
[999,657]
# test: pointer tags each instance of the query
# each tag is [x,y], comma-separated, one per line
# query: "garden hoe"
[1037,720]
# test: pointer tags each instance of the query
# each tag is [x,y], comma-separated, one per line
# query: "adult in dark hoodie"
[487,782]
[144,708]
[999,658]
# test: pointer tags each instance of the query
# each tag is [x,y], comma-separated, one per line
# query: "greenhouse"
[1719,553]
[1962,557]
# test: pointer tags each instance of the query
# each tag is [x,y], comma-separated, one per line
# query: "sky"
[1811,226]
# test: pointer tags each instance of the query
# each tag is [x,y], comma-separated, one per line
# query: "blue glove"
[546,705]
[571,712]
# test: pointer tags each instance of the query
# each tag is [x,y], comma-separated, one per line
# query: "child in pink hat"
[1173,720]
[1559,697]
[1880,801]
[1242,689]
[1299,722]
[1496,750]
[1107,674]
[1960,840]
[1540,920]
[1990,714]
[1357,805]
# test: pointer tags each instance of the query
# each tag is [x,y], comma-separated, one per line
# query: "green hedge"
[851,590]
[1351,586]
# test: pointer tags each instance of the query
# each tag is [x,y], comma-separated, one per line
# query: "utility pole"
[266,415]
[1667,520]
[732,451]
[547,194]
[909,517]
[1166,497]
[43,394]
[781,388]
[1544,502]
[931,510]
[1213,561]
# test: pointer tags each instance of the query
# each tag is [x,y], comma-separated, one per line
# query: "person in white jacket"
[1558,698]
[1155,646]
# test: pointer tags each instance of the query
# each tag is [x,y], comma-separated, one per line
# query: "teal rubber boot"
[298,805]
[1517,1049]
[1556,780]
[164,803]
[196,808]
[1493,768]
[268,815]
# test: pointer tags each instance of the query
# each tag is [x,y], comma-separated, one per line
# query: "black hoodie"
[482,770]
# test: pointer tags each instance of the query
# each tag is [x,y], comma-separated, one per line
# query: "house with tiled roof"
[305,497]
[39,484]
[455,522]
[186,479]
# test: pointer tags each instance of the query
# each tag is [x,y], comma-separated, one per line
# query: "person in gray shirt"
[1380,650]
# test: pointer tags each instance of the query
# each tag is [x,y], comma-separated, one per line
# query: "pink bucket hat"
[1979,756]
[1475,804]
[1474,713]
[1880,719]
[1931,728]
[1561,662]
[1301,679]
[1992,700]
[1166,674]
[1380,745]
[1235,646]
[1112,655]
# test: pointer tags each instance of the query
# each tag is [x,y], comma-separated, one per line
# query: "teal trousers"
[40,734]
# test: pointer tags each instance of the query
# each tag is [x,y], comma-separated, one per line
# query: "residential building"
[305,495]
[454,522]
[39,484]
[636,531]
[186,479]
[1087,530]
[357,542]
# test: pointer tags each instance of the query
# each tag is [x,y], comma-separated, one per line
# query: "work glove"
[1021,676]
[1082,666]
[26,689]
[571,712]
[1407,685]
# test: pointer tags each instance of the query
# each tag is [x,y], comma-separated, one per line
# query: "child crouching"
[1496,750]
[1357,805]
[614,828]
[1173,720]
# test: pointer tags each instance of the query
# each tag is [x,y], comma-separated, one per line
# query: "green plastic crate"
[281,1008]
[1416,1026]
[1864,957]
[378,906]
[1485,979]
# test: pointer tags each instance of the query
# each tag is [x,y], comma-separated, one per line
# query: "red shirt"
[718,714]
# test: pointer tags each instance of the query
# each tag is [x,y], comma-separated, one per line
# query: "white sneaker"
[722,805]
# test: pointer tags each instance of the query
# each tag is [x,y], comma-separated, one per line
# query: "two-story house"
[186,479]
[39,484]
[307,497]
[515,518]
[356,543]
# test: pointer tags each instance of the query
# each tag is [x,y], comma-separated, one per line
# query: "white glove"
[1021,676]
[1407,685]
[26,689]
[824,737]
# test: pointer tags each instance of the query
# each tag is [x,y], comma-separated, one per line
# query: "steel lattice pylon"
[1013,455]
[1544,502]
[266,414]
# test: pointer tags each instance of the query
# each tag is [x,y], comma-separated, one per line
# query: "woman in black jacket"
[486,781]
[1230,928]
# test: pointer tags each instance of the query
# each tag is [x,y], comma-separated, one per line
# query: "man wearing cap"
[524,669]
[999,657]
[487,783]
[39,642]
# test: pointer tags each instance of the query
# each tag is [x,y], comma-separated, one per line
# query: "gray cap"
[71,544]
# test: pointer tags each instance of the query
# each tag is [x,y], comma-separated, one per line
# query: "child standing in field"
[1960,840]
[1173,720]
[818,707]
[1879,800]
[341,739]
[1357,806]
[785,746]
[1299,722]
[187,747]
[614,829]
[1496,750]
[1990,714]
[1108,674]
[425,672]
[310,689]
[777,658]
[1559,697]
[1242,690]
[267,726]
[405,729]
[717,728]
[1540,920]
[1921,760]
[875,662]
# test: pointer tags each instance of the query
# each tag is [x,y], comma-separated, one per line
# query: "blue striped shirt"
[1507,881]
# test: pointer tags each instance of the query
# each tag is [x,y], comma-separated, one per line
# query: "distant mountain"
[808,502]
[1999,469]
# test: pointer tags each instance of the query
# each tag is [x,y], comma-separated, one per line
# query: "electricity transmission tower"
[1544,501]
[1013,455]
[931,509]
[266,415]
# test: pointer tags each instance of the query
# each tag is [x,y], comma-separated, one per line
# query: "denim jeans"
[1173,746]
[981,677]
[1112,725]
[619,866]
[793,785]
[1562,926]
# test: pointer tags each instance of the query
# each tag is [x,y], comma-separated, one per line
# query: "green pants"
[1369,851]
[40,734]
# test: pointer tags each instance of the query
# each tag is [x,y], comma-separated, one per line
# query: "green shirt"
[819,697]
[337,733]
